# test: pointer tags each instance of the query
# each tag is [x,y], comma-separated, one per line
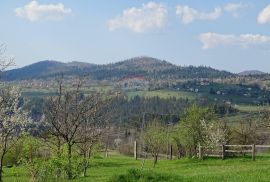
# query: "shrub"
[134,175]
[43,170]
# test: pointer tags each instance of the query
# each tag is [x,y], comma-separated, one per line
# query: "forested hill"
[251,72]
[140,66]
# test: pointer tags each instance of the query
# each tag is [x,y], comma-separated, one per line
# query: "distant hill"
[251,72]
[44,69]
[139,66]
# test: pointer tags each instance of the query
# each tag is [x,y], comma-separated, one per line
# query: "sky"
[224,34]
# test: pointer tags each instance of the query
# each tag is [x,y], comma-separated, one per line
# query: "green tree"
[155,139]
[191,128]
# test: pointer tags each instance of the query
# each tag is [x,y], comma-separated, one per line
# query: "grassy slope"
[162,94]
[251,108]
[241,169]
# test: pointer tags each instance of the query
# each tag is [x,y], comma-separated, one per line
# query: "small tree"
[91,129]
[192,128]
[70,119]
[245,133]
[155,139]
[216,133]
[12,121]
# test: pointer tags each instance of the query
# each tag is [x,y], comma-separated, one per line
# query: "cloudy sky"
[224,34]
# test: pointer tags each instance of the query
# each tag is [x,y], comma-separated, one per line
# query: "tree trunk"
[58,147]
[1,161]
[31,153]
[179,153]
[143,162]
[1,166]
[1,170]
[85,163]
[155,159]
[69,169]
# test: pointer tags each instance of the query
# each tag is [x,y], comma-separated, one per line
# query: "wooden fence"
[168,156]
[222,151]
[226,150]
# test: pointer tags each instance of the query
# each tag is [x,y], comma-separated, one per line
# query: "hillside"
[140,66]
[47,68]
[251,72]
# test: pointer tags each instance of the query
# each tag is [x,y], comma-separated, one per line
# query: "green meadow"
[123,168]
[162,94]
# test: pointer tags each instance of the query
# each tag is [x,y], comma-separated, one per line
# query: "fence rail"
[238,151]
[237,145]
[262,146]
[226,149]
[223,152]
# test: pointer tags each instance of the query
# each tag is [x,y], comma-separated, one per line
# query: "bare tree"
[93,126]
[246,132]
[5,61]
[70,117]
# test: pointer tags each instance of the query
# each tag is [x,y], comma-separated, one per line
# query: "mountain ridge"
[144,66]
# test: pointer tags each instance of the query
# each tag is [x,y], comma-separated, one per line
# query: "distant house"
[134,82]
[205,83]
[247,94]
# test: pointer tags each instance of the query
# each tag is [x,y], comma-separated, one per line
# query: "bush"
[55,168]
[134,175]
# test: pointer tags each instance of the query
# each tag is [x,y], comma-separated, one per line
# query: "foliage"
[155,139]
[191,131]
[216,133]
[54,168]
[134,175]
[129,111]
[12,120]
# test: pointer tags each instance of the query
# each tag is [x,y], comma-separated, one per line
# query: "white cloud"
[188,14]
[211,40]
[35,12]
[234,8]
[149,17]
[264,16]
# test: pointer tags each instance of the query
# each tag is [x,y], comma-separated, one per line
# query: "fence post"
[106,153]
[167,151]
[135,150]
[171,152]
[253,152]
[200,152]
[223,152]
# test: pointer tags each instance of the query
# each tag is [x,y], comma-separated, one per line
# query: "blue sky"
[224,34]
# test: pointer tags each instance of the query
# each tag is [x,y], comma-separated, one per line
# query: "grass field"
[162,94]
[236,170]
[252,108]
